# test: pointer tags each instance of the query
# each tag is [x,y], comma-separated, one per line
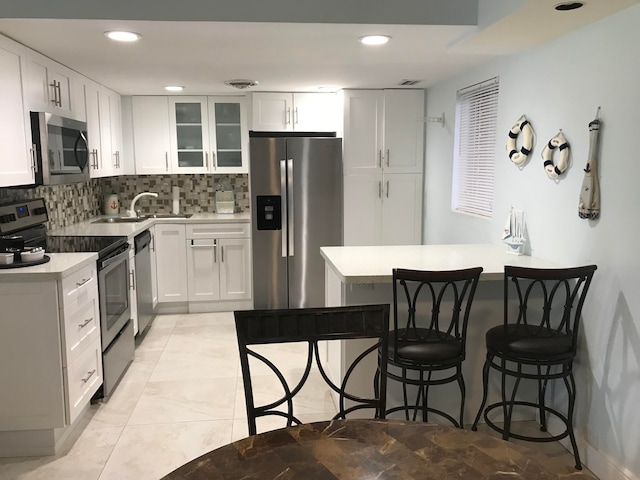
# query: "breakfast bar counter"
[363,275]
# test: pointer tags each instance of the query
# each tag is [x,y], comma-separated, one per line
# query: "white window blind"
[474,151]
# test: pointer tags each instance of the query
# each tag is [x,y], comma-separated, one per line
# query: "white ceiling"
[201,55]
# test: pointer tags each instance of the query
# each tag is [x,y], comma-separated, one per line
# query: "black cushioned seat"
[537,341]
[431,311]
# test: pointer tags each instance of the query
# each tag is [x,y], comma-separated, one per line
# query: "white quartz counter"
[375,264]
[60,265]
[130,230]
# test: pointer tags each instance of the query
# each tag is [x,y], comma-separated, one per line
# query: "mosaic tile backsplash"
[69,204]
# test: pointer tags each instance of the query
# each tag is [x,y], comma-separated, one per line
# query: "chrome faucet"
[132,210]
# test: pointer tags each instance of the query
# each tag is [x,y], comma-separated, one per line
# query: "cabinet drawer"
[219,230]
[82,379]
[79,283]
[81,325]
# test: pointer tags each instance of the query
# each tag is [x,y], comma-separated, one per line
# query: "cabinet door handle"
[153,242]
[89,375]
[56,89]
[380,158]
[221,253]
[132,280]
[387,188]
[166,161]
[379,189]
[287,116]
[59,94]
[34,161]
[206,160]
[296,115]
[82,282]
[215,251]
[85,323]
[387,157]
[214,160]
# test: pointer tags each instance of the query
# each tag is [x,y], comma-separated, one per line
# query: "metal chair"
[537,341]
[430,316]
[313,325]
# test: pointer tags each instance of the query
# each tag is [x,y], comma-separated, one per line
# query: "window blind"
[474,151]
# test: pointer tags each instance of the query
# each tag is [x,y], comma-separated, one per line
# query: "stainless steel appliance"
[296,205]
[144,292]
[60,150]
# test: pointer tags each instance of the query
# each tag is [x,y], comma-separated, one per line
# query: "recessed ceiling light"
[375,39]
[174,88]
[122,36]
[566,6]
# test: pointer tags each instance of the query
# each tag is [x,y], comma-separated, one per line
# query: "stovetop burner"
[101,245]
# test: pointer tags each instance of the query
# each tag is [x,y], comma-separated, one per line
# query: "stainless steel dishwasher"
[143,280]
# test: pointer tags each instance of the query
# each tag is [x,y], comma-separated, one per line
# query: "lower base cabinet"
[205,266]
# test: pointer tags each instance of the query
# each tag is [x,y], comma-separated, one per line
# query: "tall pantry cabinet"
[383,166]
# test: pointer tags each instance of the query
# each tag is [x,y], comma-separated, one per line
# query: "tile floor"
[181,397]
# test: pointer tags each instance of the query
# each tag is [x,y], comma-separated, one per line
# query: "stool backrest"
[313,325]
[432,306]
[546,301]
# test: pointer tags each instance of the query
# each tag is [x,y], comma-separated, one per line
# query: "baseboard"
[599,463]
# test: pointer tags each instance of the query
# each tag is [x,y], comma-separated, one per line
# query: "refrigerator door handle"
[290,215]
[283,193]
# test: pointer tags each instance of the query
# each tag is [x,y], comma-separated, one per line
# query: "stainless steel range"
[22,227]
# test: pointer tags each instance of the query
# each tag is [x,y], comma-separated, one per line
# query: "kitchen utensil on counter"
[224,197]
[111,205]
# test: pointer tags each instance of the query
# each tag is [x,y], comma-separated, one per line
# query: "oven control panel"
[22,214]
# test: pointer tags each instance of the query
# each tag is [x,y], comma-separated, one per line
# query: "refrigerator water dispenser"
[269,210]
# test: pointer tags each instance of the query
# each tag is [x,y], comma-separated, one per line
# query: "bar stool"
[430,315]
[537,341]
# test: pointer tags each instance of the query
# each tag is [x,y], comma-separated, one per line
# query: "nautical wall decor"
[519,157]
[589,205]
[558,142]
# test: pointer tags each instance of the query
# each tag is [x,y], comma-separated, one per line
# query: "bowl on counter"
[32,255]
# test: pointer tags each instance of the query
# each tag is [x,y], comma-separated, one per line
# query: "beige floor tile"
[84,460]
[215,362]
[206,319]
[203,338]
[185,401]
[116,411]
[148,452]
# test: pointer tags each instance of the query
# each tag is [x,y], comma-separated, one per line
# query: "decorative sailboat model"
[513,234]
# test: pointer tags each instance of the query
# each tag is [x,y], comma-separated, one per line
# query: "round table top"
[367,449]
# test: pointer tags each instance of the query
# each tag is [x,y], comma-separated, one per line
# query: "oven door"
[113,286]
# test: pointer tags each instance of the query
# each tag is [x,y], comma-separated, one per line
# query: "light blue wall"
[560,85]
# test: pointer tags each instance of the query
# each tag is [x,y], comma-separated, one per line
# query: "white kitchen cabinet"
[17,166]
[51,86]
[383,131]
[171,263]
[110,132]
[92,96]
[219,262]
[151,133]
[51,339]
[382,158]
[302,112]
[190,134]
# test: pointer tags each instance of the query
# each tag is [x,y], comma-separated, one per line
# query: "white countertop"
[375,264]
[60,265]
[130,230]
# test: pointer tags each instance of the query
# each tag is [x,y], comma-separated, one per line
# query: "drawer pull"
[89,375]
[85,323]
[84,280]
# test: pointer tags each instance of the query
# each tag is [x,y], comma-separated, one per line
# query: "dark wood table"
[373,449]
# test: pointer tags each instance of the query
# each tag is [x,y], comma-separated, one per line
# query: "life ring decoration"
[559,142]
[521,126]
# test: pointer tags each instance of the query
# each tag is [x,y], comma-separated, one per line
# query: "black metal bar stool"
[537,341]
[430,315]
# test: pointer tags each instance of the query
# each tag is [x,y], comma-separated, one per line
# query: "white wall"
[560,85]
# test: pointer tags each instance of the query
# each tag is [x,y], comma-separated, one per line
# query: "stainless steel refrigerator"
[296,205]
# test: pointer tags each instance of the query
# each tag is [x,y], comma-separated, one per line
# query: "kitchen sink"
[142,218]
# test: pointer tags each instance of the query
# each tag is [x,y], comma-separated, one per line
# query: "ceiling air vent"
[408,83]
[241,83]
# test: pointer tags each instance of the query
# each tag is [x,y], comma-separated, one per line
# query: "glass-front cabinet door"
[189,135]
[228,134]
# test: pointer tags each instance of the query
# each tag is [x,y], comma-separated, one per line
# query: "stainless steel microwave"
[60,149]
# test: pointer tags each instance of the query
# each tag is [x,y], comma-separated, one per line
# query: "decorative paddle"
[589,205]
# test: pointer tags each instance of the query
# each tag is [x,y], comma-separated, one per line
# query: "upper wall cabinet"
[52,87]
[383,131]
[16,164]
[182,134]
[288,112]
